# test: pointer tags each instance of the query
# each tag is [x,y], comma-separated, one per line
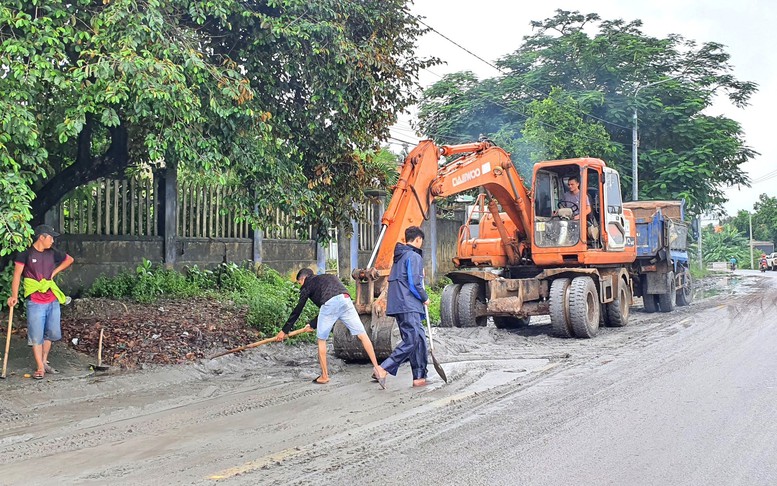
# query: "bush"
[6,276]
[117,287]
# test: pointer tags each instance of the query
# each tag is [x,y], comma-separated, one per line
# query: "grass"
[269,296]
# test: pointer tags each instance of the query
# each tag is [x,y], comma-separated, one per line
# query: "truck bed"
[660,229]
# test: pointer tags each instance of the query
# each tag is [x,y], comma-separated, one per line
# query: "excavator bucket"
[382,330]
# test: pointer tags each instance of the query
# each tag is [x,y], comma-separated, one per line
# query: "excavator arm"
[421,180]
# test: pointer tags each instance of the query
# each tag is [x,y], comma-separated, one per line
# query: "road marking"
[260,463]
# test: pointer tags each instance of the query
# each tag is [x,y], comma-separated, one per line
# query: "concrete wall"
[100,255]
[109,256]
[97,255]
[447,236]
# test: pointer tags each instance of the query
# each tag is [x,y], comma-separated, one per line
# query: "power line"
[401,141]
[765,177]
[504,73]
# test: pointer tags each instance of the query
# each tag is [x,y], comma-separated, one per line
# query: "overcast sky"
[492,28]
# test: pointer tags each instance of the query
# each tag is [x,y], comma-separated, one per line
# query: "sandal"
[38,375]
[50,369]
[320,382]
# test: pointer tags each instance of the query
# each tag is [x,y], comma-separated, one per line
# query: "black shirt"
[319,289]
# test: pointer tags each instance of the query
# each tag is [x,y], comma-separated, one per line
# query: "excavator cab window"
[557,222]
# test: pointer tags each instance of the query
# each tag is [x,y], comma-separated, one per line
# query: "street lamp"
[635,141]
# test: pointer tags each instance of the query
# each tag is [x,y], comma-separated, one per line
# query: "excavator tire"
[449,312]
[511,322]
[617,311]
[685,293]
[471,306]
[584,307]
[383,332]
[666,301]
[559,308]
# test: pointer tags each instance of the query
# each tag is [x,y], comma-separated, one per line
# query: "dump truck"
[662,265]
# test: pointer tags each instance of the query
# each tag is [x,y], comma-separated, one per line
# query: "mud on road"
[256,418]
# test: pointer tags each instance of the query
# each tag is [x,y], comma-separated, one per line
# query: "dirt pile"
[165,332]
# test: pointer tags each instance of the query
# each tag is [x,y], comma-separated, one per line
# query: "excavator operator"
[571,198]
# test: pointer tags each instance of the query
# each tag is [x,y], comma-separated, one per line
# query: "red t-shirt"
[39,265]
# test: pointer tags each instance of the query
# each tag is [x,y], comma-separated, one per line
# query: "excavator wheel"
[559,308]
[471,306]
[511,322]
[449,313]
[617,311]
[584,307]
[383,332]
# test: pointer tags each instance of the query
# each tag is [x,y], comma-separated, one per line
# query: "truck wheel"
[584,307]
[666,300]
[559,308]
[511,322]
[685,293]
[471,306]
[449,314]
[618,309]
[650,301]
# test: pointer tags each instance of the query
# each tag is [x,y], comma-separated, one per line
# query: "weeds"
[269,296]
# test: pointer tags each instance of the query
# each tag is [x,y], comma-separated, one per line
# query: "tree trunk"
[84,170]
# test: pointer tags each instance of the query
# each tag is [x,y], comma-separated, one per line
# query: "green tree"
[555,130]
[721,246]
[764,218]
[285,97]
[601,65]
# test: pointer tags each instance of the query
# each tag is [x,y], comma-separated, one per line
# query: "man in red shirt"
[39,264]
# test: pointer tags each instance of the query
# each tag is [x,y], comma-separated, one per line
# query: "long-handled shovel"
[258,343]
[99,366]
[7,341]
[437,365]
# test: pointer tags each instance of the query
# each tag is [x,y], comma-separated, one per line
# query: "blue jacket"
[405,292]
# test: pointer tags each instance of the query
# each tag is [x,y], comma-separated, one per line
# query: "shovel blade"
[438,369]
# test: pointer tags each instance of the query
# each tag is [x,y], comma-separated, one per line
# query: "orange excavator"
[548,251]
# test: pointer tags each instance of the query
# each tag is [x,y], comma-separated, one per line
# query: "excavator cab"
[556,209]
[578,214]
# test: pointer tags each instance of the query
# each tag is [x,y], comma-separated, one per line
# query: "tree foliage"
[283,97]
[764,219]
[721,246]
[600,71]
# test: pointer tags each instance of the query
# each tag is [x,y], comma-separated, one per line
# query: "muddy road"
[688,397]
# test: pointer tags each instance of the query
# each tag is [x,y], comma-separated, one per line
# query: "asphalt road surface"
[684,398]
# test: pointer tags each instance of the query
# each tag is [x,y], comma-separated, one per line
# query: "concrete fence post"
[168,200]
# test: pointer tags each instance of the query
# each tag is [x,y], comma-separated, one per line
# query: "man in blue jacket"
[406,301]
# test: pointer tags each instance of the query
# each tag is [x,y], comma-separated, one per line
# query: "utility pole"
[752,262]
[635,141]
[701,263]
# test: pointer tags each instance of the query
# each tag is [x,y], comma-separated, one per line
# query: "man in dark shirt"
[39,264]
[327,292]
